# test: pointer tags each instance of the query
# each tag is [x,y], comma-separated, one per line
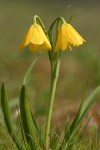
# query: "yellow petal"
[27,38]
[46,45]
[62,39]
[36,38]
[68,36]
[74,37]
[37,35]
[33,47]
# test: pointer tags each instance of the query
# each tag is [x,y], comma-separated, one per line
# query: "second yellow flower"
[67,37]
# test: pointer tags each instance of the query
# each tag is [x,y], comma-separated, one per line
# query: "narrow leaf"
[36,126]
[26,118]
[25,81]
[81,113]
[70,19]
[38,132]
[88,102]
[28,72]
[7,117]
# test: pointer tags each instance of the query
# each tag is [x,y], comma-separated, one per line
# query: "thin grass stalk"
[84,108]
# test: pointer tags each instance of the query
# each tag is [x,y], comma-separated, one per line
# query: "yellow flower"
[35,38]
[68,36]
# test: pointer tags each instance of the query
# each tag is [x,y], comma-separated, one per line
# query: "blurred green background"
[78,66]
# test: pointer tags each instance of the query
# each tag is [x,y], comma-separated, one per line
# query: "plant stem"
[51,101]
[54,78]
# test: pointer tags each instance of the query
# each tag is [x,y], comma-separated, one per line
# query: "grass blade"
[82,111]
[88,102]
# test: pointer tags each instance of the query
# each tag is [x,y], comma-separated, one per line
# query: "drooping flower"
[35,38]
[67,37]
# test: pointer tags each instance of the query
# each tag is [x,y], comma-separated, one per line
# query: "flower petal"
[33,47]
[74,37]
[27,38]
[68,36]
[62,39]
[37,35]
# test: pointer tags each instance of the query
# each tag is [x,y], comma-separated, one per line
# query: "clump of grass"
[69,138]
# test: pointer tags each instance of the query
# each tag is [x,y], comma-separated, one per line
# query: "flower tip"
[49,48]
[84,40]
[70,48]
[20,48]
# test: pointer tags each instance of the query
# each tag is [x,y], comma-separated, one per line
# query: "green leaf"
[88,102]
[29,70]
[7,117]
[26,118]
[25,81]
[36,126]
[70,18]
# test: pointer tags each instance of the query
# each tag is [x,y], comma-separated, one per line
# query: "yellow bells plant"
[36,138]
[67,36]
[35,38]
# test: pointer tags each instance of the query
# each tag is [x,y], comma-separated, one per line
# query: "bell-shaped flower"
[67,37]
[35,38]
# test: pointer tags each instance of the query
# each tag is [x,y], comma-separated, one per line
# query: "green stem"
[56,21]
[51,28]
[54,78]
[36,17]
[53,88]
